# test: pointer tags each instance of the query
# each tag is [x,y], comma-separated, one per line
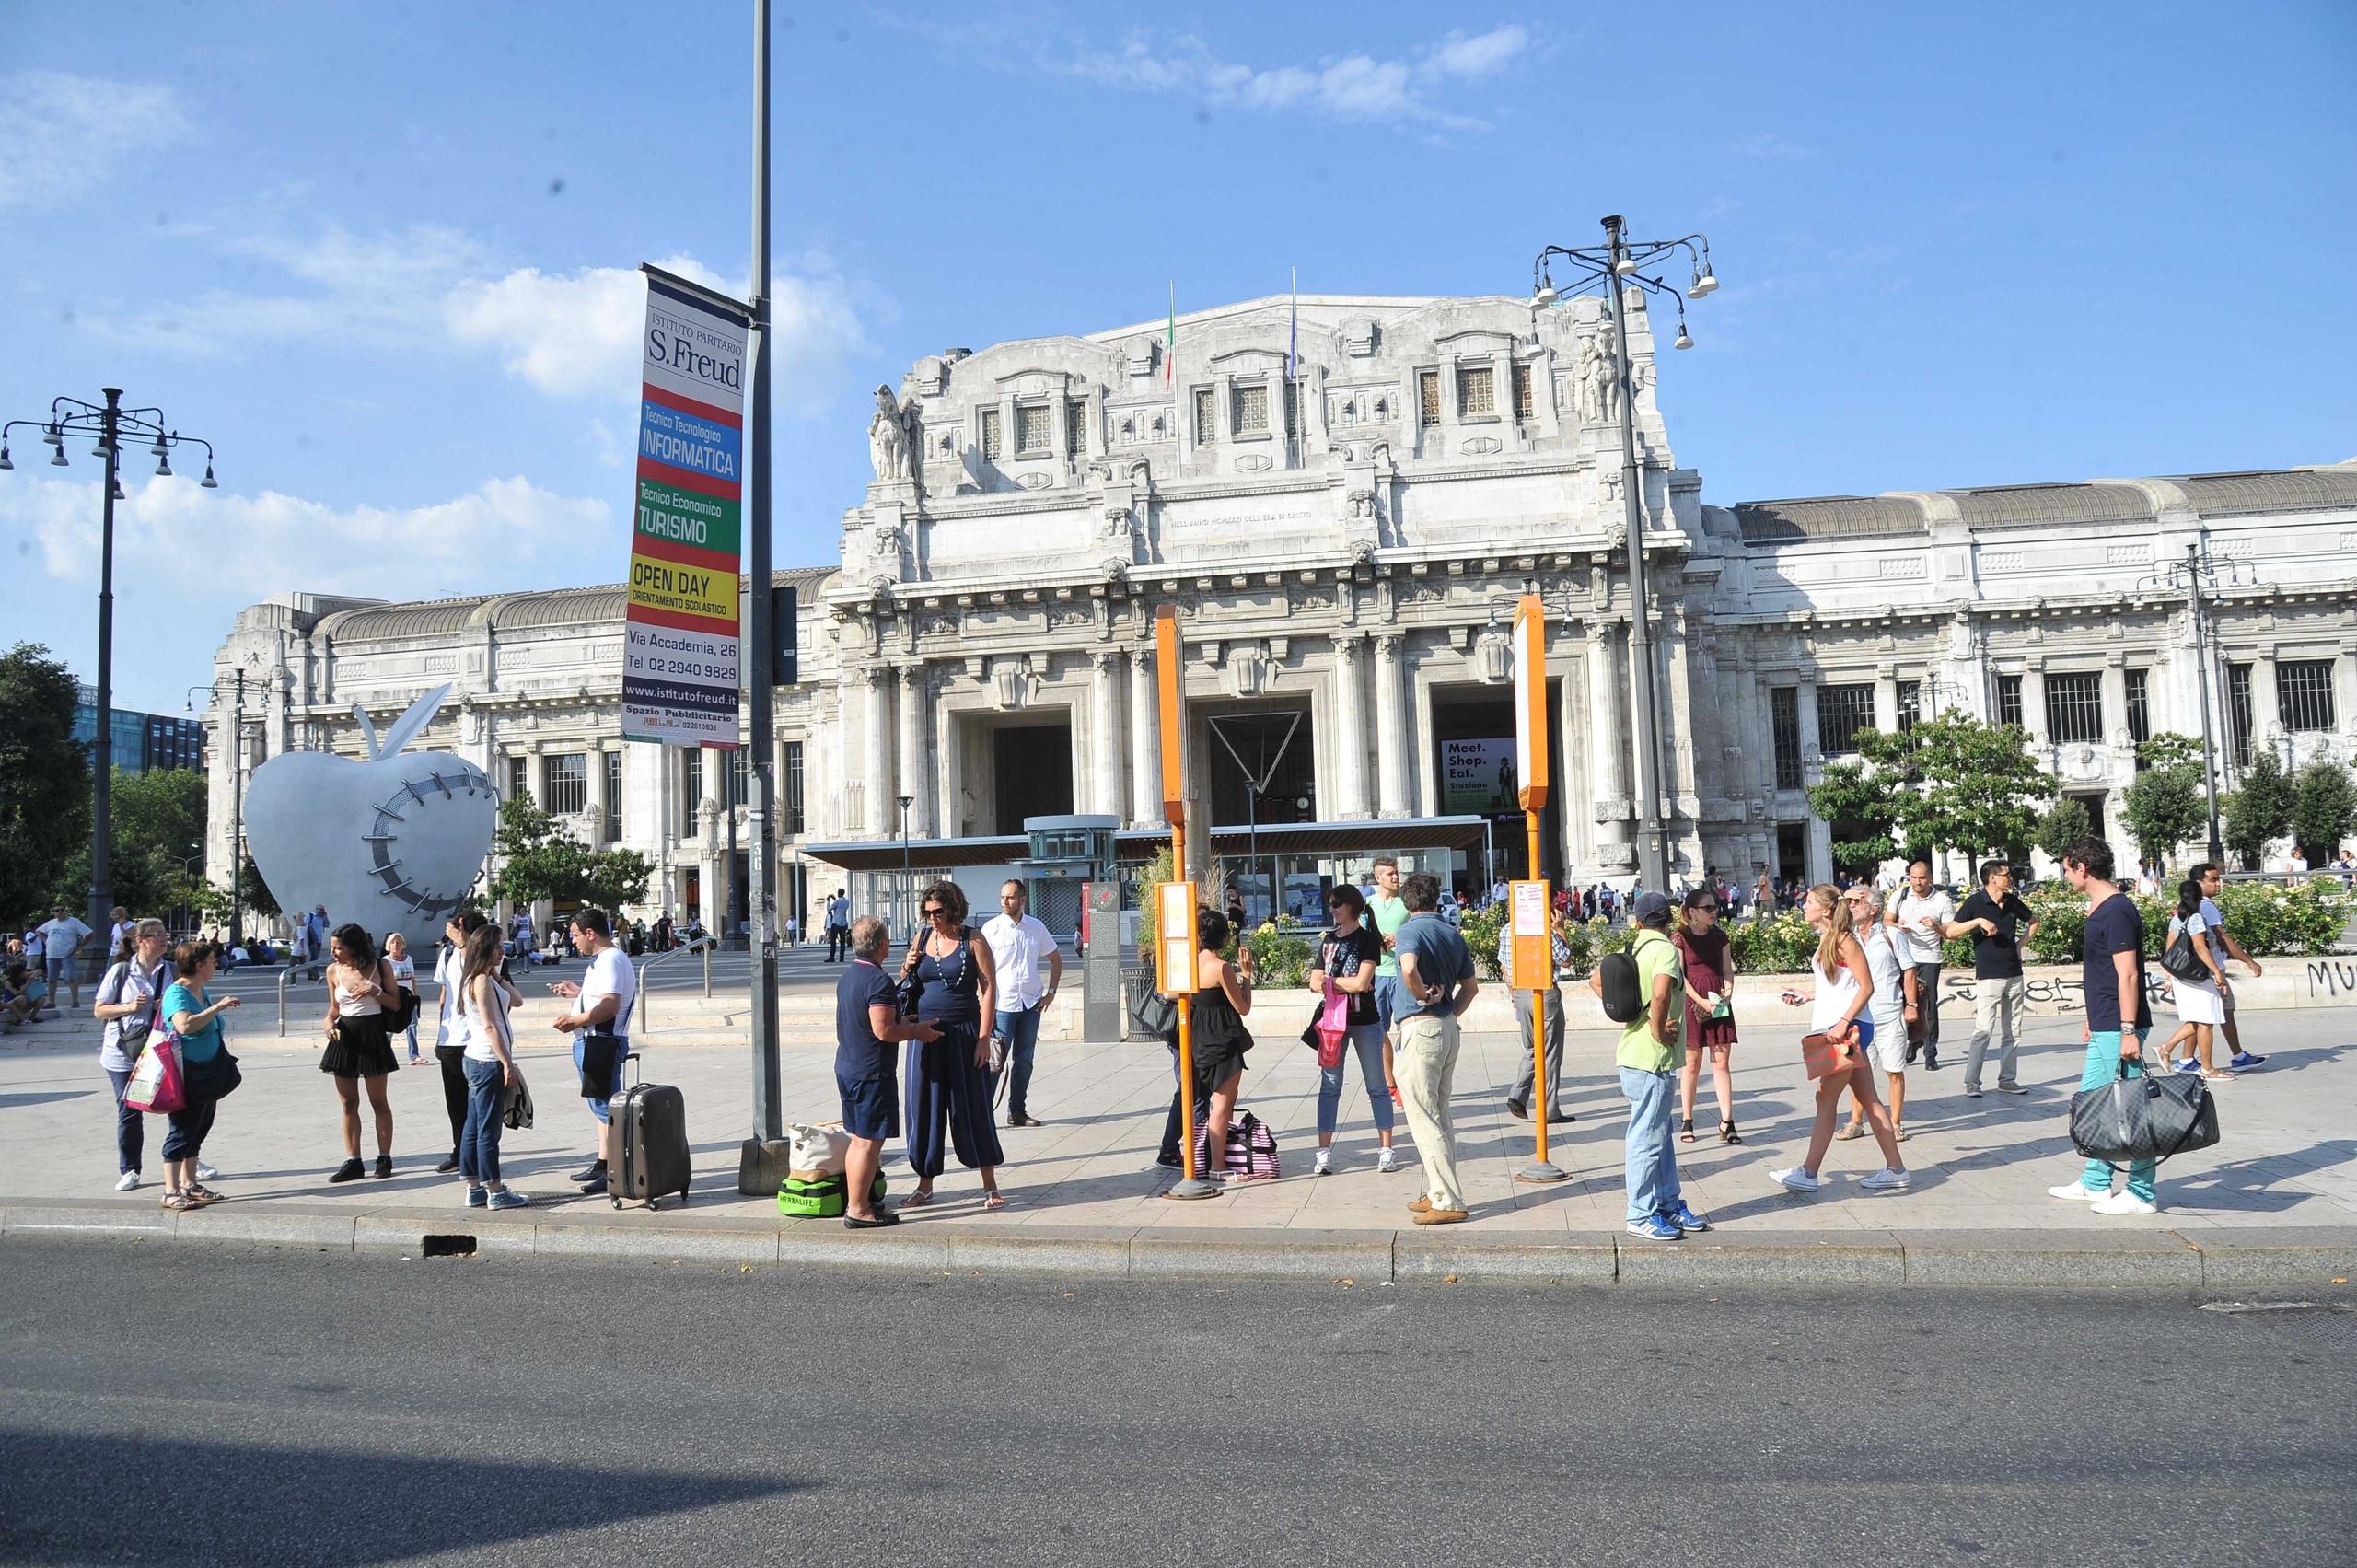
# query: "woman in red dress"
[1709,1010]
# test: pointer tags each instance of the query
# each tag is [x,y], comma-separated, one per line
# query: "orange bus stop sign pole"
[1531,908]
[1175,956]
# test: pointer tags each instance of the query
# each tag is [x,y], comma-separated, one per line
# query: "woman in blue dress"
[947,1082]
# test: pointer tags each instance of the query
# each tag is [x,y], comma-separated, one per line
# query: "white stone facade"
[986,642]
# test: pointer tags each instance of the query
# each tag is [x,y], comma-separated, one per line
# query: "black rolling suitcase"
[650,1144]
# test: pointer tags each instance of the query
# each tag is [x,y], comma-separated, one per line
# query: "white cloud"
[212,551]
[1769,148]
[1355,87]
[61,132]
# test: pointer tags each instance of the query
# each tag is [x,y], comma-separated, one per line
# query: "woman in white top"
[405,986]
[2200,1004]
[359,1050]
[1887,1048]
[126,1005]
[1845,989]
[487,1043]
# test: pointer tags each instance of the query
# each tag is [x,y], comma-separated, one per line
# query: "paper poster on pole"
[1174,930]
[1530,746]
[681,648]
[1533,952]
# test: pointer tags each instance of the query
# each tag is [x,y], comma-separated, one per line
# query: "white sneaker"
[1887,1180]
[1798,1179]
[2076,1192]
[1325,1163]
[1386,1161]
[206,1173]
[130,1180]
[2125,1203]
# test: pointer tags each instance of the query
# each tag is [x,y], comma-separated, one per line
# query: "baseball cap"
[1649,908]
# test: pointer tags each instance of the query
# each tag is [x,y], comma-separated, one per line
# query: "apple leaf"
[421,713]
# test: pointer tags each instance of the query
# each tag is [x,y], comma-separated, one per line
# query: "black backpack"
[1618,975]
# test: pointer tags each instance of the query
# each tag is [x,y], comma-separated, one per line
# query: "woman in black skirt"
[360,985]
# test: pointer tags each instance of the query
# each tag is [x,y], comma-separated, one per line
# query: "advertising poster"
[1477,777]
[682,654]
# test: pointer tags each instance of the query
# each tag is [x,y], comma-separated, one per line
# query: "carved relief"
[1597,376]
[1013,684]
[1481,446]
[1246,669]
[1252,462]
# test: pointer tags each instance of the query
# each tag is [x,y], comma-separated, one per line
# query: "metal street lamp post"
[902,904]
[1617,263]
[108,423]
[2196,572]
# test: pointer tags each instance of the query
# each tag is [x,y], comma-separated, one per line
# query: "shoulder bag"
[2180,959]
[1153,1012]
[2149,1116]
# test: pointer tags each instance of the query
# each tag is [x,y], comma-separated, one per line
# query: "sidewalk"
[2276,1200]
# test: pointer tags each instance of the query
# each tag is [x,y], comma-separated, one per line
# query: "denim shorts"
[600,1108]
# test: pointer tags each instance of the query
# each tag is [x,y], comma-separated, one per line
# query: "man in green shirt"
[1388,914]
[1648,1057]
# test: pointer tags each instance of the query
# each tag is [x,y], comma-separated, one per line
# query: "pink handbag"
[156,1083]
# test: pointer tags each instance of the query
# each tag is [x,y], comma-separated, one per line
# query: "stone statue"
[891,436]
[1599,381]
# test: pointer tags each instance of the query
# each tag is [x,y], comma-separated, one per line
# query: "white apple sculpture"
[391,843]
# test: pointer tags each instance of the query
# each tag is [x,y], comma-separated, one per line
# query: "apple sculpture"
[391,843]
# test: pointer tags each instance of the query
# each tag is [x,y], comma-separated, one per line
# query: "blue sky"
[382,255]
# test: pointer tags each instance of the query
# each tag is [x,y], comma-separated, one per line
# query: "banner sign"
[1477,777]
[681,652]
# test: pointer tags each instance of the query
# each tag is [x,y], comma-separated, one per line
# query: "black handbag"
[2149,1116]
[2180,959]
[214,1079]
[1155,1014]
[601,1063]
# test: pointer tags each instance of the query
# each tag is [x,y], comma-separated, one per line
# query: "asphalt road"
[161,1404]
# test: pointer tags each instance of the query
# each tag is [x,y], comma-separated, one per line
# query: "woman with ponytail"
[1845,989]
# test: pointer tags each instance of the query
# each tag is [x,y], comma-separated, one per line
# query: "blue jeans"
[1650,1156]
[129,1127]
[1020,1029]
[1366,1040]
[479,1140]
[2102,1067]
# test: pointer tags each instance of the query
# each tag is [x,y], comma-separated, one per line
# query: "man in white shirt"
[599,1021]
[62,937]
[1922,913]
[1030,967]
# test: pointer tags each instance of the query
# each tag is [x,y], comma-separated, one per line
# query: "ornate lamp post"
[1617,263]
[108,423]
[2197,575]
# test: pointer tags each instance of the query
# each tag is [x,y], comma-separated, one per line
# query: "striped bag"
[1250,1154]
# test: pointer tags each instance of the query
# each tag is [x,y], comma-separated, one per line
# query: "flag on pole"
[1170,338]
[1293,328]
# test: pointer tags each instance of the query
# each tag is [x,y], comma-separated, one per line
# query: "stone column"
[1608,742]
[1390,725]
[1350,729]
[1820,833]
[1146,749]
[916,777]
[2034,706]
[876,785]
[1105,731]
[2345,692]
[1574,791]
[2266,711]
[1886,699]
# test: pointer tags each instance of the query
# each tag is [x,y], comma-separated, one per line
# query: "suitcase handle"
[629,1057]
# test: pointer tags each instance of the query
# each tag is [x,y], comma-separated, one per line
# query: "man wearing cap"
[1649,1055]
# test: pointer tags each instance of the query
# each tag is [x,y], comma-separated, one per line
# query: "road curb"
[2276,1258]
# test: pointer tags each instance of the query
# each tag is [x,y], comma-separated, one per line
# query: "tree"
[2261,812]
[537,859]
[2166,807]
[158,827]
[259,899]
[1950,782]
[44,782]
[2324,808]
[2065,820]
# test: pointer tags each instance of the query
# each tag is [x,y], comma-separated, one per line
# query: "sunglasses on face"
[932,909]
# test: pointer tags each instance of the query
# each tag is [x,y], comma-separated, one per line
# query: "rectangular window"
[520,778]
[1251,410]
[2238,714]
[1428,397]
[992,444]
[2074,707]
[794,818]
[2140,704]
[613,800]
[1075,427]
[1521,391]
[2303,693]
[1030,428]
[1206,417]
[1477,391]
[1911,705]
[739,775]
[690,791]
[565,775]
[1293,408]
[2009,699]
[1841,713]
[1785,722]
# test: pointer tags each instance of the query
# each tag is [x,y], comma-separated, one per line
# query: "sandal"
[1686,1130]
[178,1202]
[1899,1134]
[1850,1132]
[201,1195]
[2216,1075]
[916,1200]
[994,1200]
[1727,1135]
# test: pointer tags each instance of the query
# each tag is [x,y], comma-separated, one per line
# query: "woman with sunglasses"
[1845,989]
[1709,960]
[948,1077]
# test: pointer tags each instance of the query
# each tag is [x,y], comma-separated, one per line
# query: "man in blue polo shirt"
[1436,984]
[867,1026]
